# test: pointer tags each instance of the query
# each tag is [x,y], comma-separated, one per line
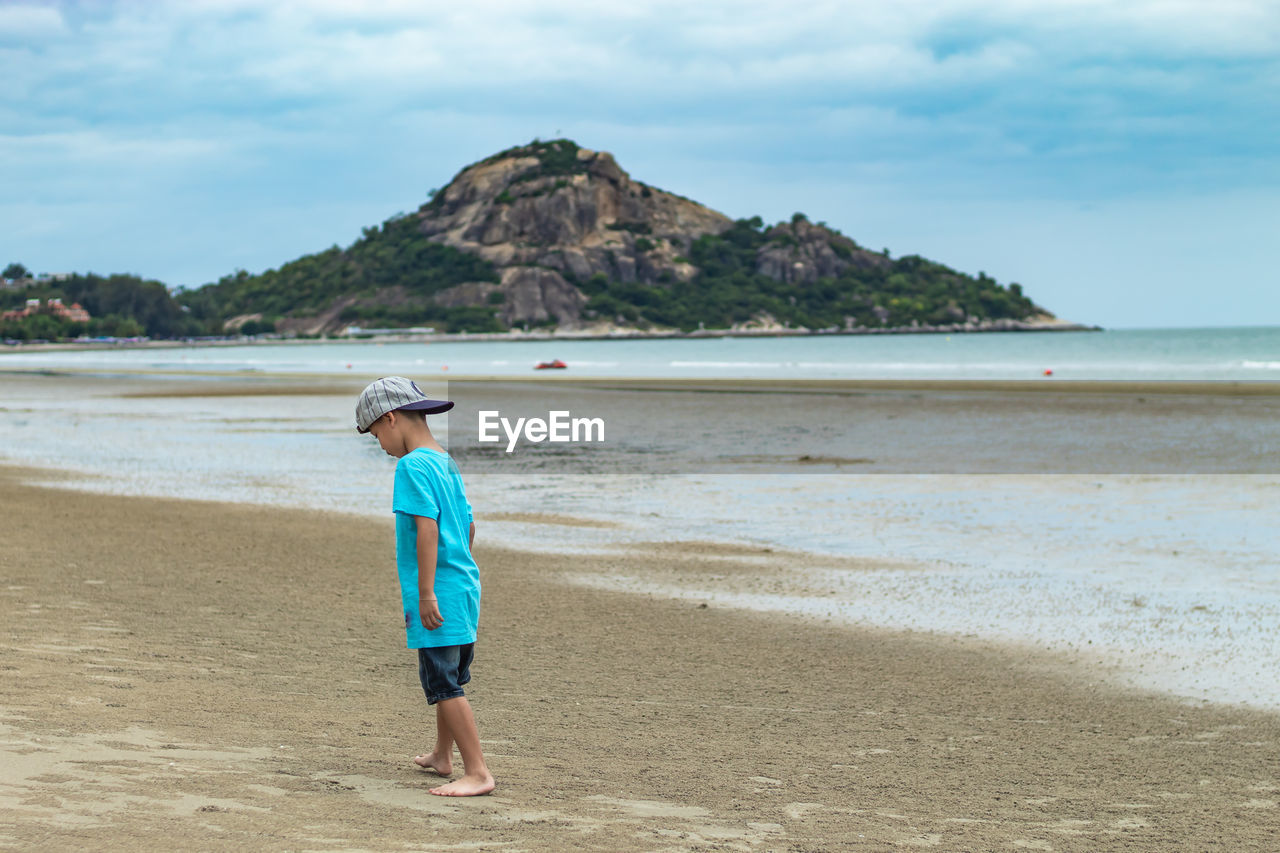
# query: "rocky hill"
[553,235]
[554,215]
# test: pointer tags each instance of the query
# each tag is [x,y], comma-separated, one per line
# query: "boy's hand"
[429,612]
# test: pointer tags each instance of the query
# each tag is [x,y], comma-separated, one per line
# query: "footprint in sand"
[652,808]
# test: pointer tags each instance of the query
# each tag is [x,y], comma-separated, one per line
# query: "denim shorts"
[443,670]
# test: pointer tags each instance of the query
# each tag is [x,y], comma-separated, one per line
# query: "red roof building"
[75,313]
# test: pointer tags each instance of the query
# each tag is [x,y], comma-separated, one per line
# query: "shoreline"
[265,382]
[986,326]
[241,680]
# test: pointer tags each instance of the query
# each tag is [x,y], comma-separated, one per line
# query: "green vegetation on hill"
[556,158]
[395,255]
[728,290]
[386,279]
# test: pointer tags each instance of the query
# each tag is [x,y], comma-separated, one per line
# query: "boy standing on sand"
[439,581]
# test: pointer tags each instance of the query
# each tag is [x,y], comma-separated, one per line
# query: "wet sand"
[212,676]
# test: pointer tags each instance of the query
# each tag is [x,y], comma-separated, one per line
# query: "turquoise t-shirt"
[429,484]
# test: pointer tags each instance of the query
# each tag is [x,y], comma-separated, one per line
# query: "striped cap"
[390,393]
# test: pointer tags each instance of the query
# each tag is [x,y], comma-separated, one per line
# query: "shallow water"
[1172,580]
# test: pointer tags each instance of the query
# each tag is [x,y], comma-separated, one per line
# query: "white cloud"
[23,21]
[90,149]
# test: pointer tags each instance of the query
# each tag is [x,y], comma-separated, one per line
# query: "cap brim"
[431,407]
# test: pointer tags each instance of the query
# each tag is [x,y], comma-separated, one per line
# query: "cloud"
[23,21]
[1006,78]
[209,108]
[385,51]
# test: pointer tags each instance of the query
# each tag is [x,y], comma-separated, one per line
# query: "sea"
[1241,353]
[1167,582]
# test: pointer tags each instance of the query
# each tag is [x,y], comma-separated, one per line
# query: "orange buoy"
[1048,373]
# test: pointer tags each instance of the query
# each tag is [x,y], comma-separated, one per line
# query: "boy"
[439,581]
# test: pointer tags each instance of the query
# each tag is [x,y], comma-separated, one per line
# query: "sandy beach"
[217,676]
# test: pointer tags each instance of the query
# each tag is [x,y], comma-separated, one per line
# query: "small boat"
[550,365]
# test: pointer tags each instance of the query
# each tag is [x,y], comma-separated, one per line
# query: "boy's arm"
[471,538]
[428,607]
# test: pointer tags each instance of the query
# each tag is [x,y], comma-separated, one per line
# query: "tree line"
[118,305]
[390,275]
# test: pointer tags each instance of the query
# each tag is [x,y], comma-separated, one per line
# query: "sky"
[1118,158]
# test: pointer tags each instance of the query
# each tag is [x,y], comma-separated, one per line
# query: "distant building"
[73,312]
[33,305]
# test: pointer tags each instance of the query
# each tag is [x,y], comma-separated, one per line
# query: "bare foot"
[428,761]
[467,786]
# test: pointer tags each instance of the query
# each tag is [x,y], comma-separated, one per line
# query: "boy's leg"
[439,759]
[455,717]
[435,667]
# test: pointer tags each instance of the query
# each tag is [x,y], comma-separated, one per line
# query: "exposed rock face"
[553,214]
[535,295]
[531,296]
[802,253]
